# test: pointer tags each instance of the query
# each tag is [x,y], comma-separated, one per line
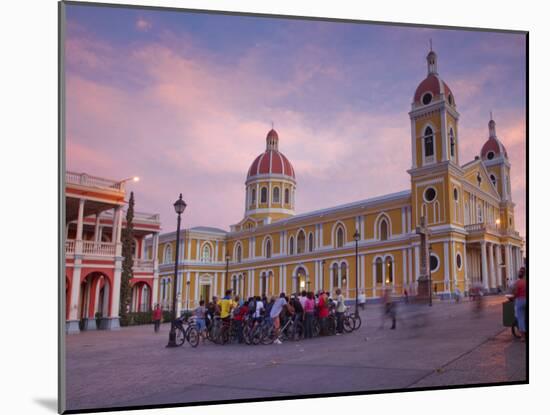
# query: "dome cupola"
[432,88]
[270,184]
[493,148]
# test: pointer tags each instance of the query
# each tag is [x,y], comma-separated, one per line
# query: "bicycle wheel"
[256,335]
[268,335]
[331,325]
[356,321]
[315,328]
[348,324]
[180,337]
[297,331]
[193,336]
[247,334]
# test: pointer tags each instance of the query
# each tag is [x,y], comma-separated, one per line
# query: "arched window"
[263,195]
[287,196]
[379,270]
[206,253]
[276,195]
[339,237]
[301,242]
[493,179]
[389,271]
[344,272]
[334,275]
[268,248]
[168,254]
[253,197]
[452,139]
[384,230]
[291,246]
[300,280]
[423,211]
[428,142]
[263,283]
[239,253]
[479,214]
[310,242]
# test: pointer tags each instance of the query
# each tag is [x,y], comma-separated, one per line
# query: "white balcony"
[143,265]
[90,248]
[93,181]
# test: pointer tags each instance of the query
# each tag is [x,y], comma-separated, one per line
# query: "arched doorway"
[94,300]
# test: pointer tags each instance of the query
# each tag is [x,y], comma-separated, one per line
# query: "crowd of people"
[303,307]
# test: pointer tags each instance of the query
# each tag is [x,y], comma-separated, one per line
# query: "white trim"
[334,240]
[438,263]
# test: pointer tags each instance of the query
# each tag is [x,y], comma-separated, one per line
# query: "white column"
[321,242]
[75,290]
[404,258]
[154,255]
[413,143]
[403,221]
[410,272]
[466,270]
[373,278]
[484,273]
[446,266]
[96,229]
[509,270]
[492,272]
[257,195]
[362,276]
[198,251]
[417,263]
[498,266]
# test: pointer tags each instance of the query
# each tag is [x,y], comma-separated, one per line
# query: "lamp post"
[227,258]
[356,237]
[179,207]
[430,273]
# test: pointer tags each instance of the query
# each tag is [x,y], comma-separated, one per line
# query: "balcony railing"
[93,181]
[143,265]
[91,248]
[489,227]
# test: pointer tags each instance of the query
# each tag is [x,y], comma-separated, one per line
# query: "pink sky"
[188,115]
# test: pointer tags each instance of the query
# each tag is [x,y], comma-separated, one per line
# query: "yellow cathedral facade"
[467,208]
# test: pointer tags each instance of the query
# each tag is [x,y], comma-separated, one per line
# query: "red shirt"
[323,306]
[242,312]
[521,288]
[157,314]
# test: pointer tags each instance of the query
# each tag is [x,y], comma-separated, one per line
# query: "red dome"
[271,162]
[494,145]
[435,86]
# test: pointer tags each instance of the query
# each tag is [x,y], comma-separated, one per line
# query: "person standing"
[309,310]
[340,309]
[362,300]
[275,314]
[520,302]
[200,318]
[389,308]
[323,311]
[157,316]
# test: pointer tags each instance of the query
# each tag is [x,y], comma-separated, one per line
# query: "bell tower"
[435,170]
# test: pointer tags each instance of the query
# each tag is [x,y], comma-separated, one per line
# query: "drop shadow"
[48,403]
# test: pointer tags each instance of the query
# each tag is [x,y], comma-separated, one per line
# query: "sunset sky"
[185,101]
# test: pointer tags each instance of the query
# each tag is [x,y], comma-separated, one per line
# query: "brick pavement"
[447,344]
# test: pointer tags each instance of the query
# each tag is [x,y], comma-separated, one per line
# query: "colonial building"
[94,219]
[467,207]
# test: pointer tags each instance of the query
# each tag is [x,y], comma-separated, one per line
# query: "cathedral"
[364,246]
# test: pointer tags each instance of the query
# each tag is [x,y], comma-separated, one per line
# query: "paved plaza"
[447,344]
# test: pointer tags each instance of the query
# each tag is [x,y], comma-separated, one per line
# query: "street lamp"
[227,258]
[179,207]
[356,237]
[430,273]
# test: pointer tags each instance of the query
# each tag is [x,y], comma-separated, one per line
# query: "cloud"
[185,120]
[143,25]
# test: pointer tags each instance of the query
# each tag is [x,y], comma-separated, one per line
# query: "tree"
[128,248]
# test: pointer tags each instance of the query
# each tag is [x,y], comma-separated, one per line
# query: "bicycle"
[189,333]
